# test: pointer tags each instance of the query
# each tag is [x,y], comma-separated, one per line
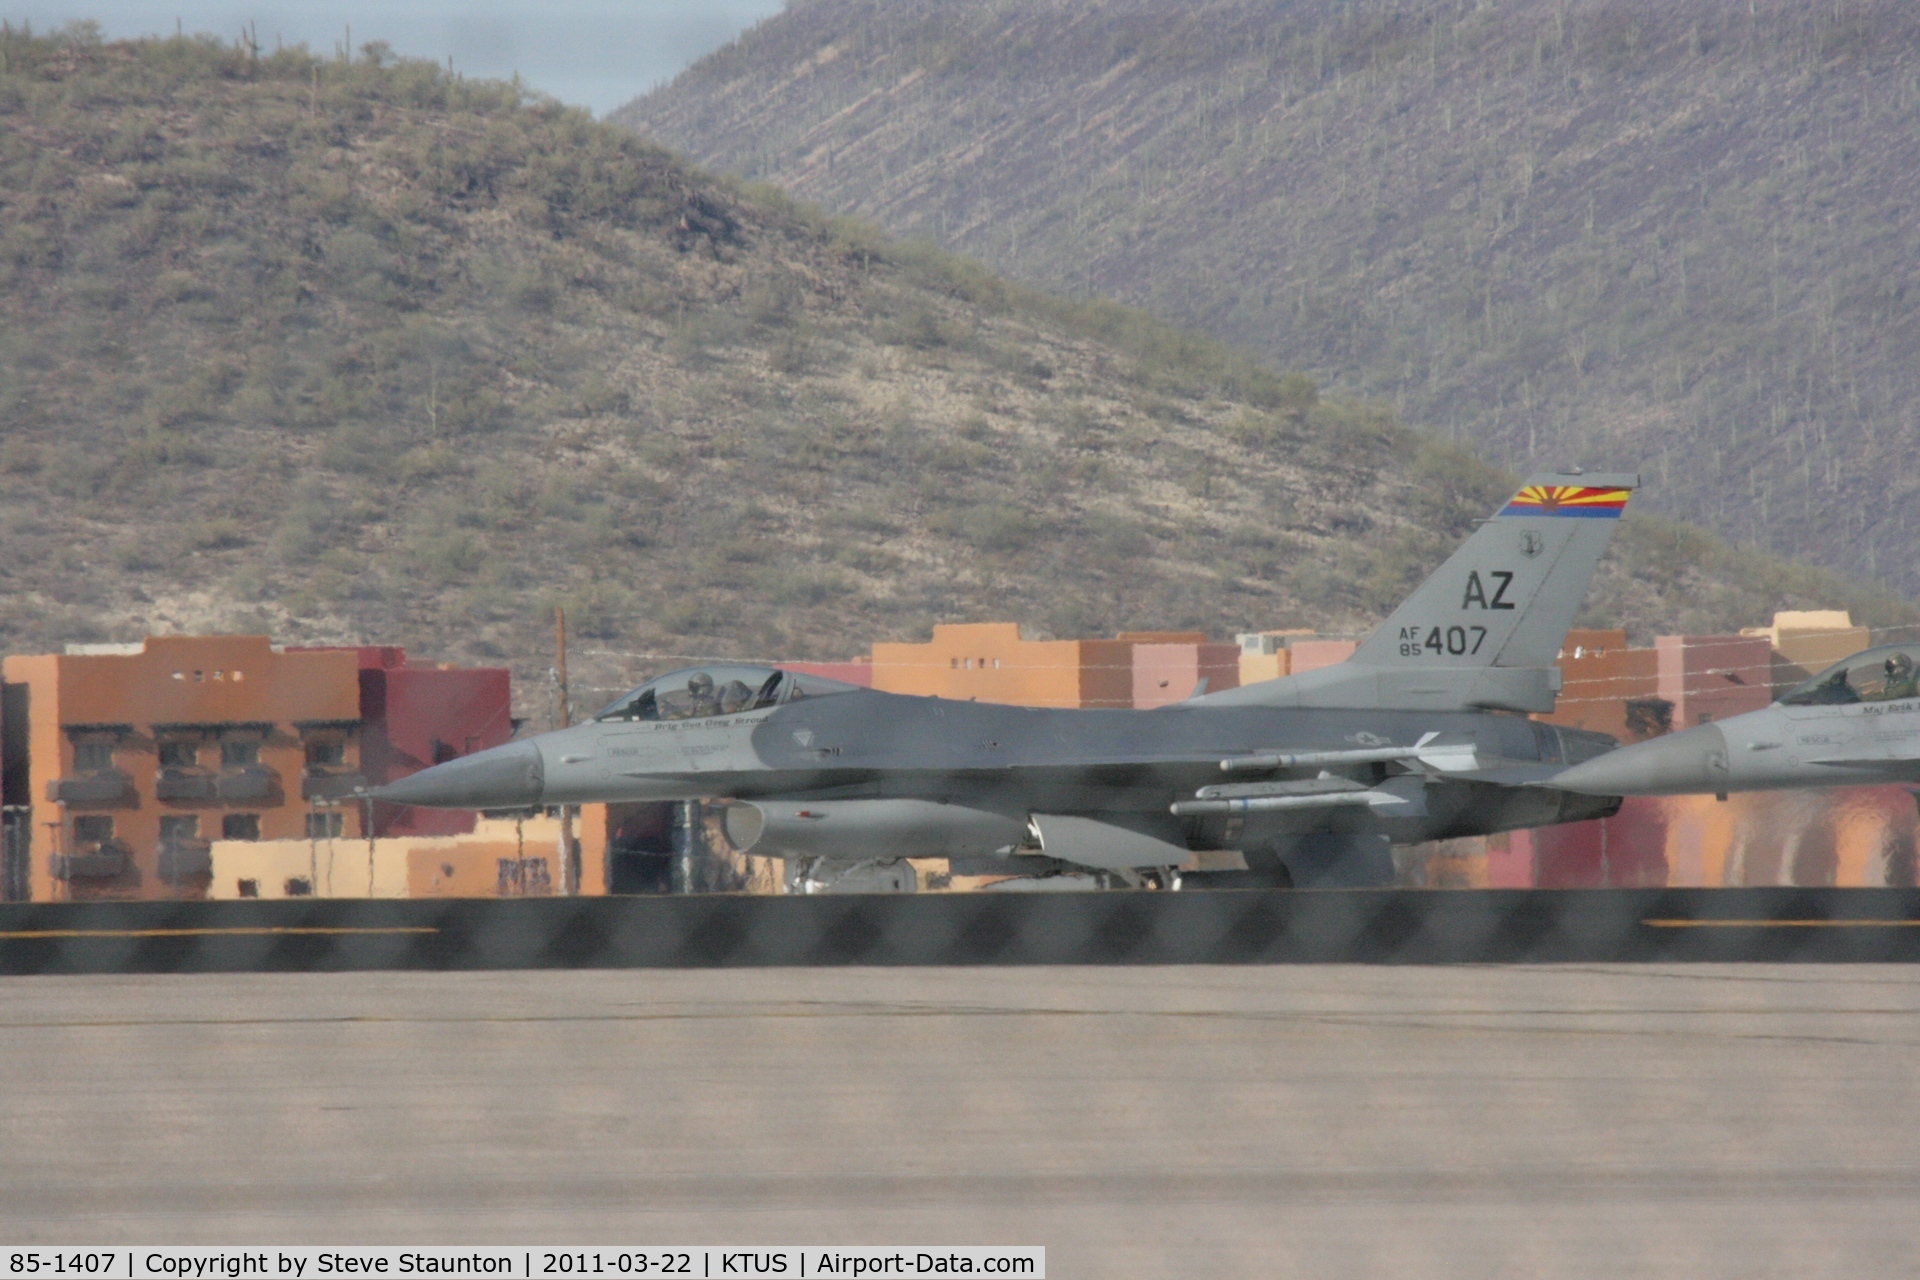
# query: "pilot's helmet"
[1899,664]
[699,684]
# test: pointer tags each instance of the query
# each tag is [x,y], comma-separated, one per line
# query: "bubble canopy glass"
[1884,674]
[718,690]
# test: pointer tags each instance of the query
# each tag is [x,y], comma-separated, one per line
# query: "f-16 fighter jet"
[1856,723]
[1420,735]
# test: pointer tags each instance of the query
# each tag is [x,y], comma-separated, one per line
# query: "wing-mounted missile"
[1434,753]
[1324,792]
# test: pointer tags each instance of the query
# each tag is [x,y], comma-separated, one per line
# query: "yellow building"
[1266,655]
[500,858]
[1806,642]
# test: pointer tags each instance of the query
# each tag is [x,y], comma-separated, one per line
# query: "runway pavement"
[1191,1121]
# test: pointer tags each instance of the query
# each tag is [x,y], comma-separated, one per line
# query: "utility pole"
[568,877]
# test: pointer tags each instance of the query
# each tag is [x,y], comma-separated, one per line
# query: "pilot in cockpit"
[701,698]
[1901,680]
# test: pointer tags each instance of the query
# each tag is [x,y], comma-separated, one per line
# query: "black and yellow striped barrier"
[1219,927]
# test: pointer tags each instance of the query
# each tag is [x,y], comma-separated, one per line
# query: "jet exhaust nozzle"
[505,777]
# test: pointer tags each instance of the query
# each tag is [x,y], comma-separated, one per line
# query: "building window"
[299,887]
[238,752]
[324,752]
[519,876]
[92,828]
[179,755]
[179,826]
[92,757]
[249,888]
[240,826]
[325,826]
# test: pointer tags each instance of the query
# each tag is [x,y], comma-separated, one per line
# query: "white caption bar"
[794,1262]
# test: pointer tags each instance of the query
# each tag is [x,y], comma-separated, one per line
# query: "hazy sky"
[593,53]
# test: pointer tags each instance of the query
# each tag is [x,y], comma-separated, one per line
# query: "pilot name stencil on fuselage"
[709,722]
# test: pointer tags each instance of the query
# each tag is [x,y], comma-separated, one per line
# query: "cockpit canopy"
[1873,675]
[699,692]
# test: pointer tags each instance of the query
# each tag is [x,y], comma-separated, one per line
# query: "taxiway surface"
[1315,1121]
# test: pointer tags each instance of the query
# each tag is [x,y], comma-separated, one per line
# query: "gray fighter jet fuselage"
[1856,723]
[1420,735]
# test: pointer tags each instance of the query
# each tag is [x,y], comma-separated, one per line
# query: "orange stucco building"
[989,662]
[1609,688]
[139,756]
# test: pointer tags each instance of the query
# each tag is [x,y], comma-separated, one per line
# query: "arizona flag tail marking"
[1567,500]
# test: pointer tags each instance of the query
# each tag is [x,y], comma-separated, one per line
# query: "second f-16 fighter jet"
[1855,724]
[1422,734]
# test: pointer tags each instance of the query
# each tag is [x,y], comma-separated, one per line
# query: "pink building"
[1709,678]
[1164,673]
[1626,851]
[414,715]
[1310,655]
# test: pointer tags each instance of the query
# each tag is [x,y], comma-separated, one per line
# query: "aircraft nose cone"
[505,777]
[1693,761]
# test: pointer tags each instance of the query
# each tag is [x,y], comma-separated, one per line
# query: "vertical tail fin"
[1508,595]
[1485,629]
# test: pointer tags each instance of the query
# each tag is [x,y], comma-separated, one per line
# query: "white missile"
[1268,804]
[1441,757]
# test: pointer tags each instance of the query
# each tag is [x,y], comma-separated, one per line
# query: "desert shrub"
[360,448]
[217,534]
[1117,538]
[990,526]
[864,517]
[444,557]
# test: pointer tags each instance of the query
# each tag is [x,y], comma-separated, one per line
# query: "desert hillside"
[1684,237]
[360,351]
